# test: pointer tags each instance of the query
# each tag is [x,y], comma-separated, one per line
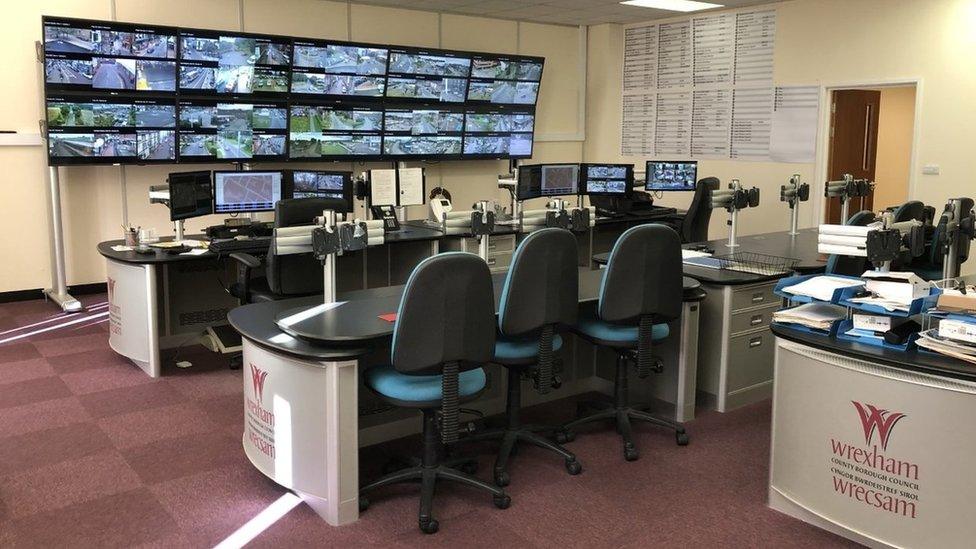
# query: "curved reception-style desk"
[304,418]
[873,444]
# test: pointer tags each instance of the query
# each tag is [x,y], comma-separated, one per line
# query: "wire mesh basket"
[755,263]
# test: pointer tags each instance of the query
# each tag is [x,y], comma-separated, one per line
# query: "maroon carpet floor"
[93,453]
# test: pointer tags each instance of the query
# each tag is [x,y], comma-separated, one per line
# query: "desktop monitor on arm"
[607,179]
[542,180]
[190,195]
[671,175]
[246,192]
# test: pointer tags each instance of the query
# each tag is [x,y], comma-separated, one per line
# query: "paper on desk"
[931,340]
[812,315]
[193,243]
[121,248]
[686,254]
[195,251]
[821,287]
[884,303]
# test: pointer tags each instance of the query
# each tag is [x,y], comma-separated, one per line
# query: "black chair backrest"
[542,286]
[446,314]
[694,227]
[296,274]
[913,209]
[643,276]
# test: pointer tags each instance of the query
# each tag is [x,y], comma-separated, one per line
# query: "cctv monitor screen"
[422,132]
[110,130]
[505,80]
[671,175]
[190,195]
[607,179]
[213,62]
[335,132]
[342,69]
[213,130]
[498,133]
[321,184]
[239,192]
[547,180]
[433,75]
[98,55]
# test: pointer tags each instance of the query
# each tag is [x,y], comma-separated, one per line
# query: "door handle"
[867,137]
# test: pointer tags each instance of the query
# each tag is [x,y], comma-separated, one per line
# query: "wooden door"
[853,144]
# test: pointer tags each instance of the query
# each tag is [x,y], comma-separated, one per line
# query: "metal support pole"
[329,264]
[795,206]
[483,247]
[58,292]
[845,203]
[950,264]
[125,196]
[733,221]
[179,230]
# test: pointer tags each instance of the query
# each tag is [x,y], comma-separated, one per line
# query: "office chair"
[913,209]
[693,226]
[540,296]
[286,276]
[444,332]
[641,292]
[848,265]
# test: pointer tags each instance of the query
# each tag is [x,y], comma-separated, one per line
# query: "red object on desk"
[389,317]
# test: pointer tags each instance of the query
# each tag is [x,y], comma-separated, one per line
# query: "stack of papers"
[931,340]
[819,316]
[688,254]
[890,305]
[821,287]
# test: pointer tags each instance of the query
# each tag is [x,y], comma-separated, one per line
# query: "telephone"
[388,215]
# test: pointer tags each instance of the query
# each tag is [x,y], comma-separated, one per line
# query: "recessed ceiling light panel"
[673,5]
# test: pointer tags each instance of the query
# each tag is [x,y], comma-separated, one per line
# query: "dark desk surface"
[352,327]
[802,247]
[914,361]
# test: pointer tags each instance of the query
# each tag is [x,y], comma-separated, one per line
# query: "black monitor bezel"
[348,186]
[195,214]
[647,169]
[240,172]
[629,179]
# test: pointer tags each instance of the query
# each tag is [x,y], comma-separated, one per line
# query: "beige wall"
[833,42]
[91,195]
[896,124]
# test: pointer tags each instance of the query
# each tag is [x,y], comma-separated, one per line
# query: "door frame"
[823,136]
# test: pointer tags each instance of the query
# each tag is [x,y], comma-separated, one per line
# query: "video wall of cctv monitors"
[132,93]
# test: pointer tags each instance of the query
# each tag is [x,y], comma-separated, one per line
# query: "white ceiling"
[563,12]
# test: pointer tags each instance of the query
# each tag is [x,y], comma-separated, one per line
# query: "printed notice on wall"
[680,81]
[794,133]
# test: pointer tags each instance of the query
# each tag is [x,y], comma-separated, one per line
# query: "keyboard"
[252,244]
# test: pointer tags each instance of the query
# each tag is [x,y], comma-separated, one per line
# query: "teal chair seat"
[417,390]
[612,335]
[519,350]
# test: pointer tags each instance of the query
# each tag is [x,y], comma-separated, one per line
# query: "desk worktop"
[914,360]
[352,327]
[802,247]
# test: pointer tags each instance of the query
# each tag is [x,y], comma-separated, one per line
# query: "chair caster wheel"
[502,479]
[502,501]
[631,453]
[469,467]
[429,526]
[363,504]
[573,467]
[564,436]
[681,439]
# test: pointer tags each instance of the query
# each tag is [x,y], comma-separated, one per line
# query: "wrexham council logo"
[874,419]
[257,379]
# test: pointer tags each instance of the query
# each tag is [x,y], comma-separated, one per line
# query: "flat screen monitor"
[422,132]
[541,180]
[341,69]
[110,130]
[224,63]
[671,175]
[497,132]
[505,80]
[607,179]
[432,75]
[335,132]
[211,130]
[242,192]
[108,56]
[190,195]
[321,184]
